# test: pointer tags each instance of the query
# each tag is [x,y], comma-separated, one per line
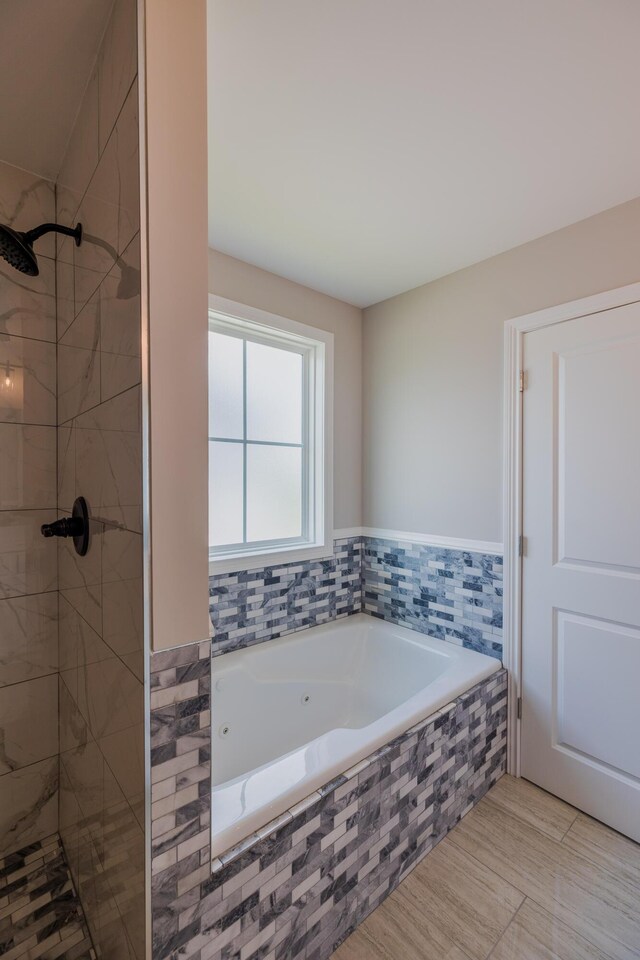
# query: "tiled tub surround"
[28,574]
[256,605]
[290,715]
[451,594]
[454,595]
[99,457]
[298,892]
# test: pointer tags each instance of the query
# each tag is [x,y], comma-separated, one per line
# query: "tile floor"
[523,877]
[40,914]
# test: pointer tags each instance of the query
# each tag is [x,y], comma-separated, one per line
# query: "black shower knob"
[76,526]
[65,527]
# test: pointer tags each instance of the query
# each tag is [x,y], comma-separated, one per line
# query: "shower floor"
[40,914]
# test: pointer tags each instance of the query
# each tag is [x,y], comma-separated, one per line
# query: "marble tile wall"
[98,330]
[455,595]
[252,606]
[302,888]
[451,594]
[28,565]
[40,914]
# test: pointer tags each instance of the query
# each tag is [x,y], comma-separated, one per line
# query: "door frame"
[514,385]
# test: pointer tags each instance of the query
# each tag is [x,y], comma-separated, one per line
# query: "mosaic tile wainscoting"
[455,595]
[40,913]
[301,889]
[257,605]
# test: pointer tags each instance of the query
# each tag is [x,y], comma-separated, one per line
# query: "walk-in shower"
[72,790]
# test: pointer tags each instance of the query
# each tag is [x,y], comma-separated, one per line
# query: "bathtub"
[289,715]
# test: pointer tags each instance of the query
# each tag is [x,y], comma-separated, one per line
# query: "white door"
[580,734]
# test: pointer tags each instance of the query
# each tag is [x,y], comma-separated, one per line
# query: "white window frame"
[316,347]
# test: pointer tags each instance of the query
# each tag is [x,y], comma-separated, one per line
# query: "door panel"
[597,390]
[581,574]
[592,656]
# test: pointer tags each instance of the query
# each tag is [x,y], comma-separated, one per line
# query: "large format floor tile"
[535,934]
[535,807]
[523,876]
[605,848]
[456,895]
[594,901]
[391,933]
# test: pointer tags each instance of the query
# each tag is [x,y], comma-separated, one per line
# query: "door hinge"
[523,381]
[519,706]
[522,546]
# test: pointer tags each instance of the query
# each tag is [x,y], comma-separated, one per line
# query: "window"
[269,439]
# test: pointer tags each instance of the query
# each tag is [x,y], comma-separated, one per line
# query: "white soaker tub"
[290,715]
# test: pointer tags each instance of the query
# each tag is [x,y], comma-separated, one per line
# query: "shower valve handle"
[76,526]
[66,527]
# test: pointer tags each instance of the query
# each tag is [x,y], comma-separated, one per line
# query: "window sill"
[257,561]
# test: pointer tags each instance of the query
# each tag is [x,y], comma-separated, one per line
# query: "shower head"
[17,251]
[17,248]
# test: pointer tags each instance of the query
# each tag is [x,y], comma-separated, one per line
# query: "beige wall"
[433,374]
[174,257]
[249,285]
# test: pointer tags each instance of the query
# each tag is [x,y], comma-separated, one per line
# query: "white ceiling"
[364,147]
[48,50]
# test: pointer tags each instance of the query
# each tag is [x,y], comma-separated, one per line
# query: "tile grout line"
[576,931]
[562,838]
[586,855]
[41,676]
[502,935]
[33,763]
[22,336]
[101,403]
[70,189]
[527,896]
